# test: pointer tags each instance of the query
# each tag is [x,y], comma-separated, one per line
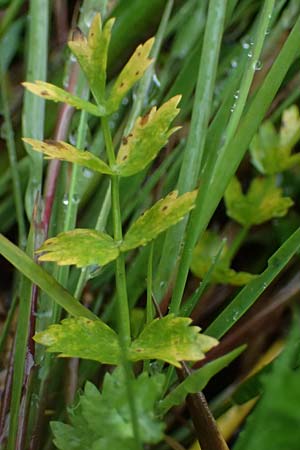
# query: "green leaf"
[203,257]
[197,381]
[43,279]
[148,136]
[51,92]
[165,213]
[66,152]
[92,55]
[131,73]
[171,339]
[82,338]
[102,421]
[271,152]
[274,423]
[262,202]
[82,247]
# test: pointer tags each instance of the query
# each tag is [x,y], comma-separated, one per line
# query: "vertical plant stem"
[122,299]
[237,242]
[124,317]
[34,106]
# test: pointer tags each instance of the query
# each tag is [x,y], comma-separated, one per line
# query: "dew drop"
[257,65]
[236,316]
[72,138]
[162,284]
[233,63]
[233,107]
[236,94]
[125,101]
[87,173]
[65,200]
[245,44]
[250,54]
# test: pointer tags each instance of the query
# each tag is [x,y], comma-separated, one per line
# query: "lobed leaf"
[131,73]
[51,92]
[82,247]
[82,338]
[171,339]
[165,213]
[262,202]
[91,54]
[203,257]
[148,136]
[102,420]
[66,152]
[197,381]
[271,152]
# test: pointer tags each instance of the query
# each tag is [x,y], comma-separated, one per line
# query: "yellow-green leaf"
[203,257]
[165,213]
[171,339]
[66,152]
[262,202]
[131,73]
[81,247]
[271,152]
[92,55]
[82,338]
[148,136]
[51,92]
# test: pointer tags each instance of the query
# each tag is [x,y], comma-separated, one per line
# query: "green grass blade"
[34,109]
[200,117]
[43,279]
[250,293]
[214,184]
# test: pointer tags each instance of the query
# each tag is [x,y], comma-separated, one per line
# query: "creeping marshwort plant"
[98,346]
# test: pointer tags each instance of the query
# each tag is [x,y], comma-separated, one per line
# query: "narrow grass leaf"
[197,381]
[43,279]
[165,213]
[131,73]
[171,339]
[50,92]
[82,338]
[82,247]
[66,152]
[148,136]
[92,55]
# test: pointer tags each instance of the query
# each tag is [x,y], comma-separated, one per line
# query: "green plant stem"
[124,317]
[123,307]
[11,147]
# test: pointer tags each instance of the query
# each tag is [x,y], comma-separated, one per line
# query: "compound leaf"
[82,338]
[131,73]
[203,257]
[262,202]
[271,152]
[148,136]
[165,213]
[82,247]
[171,339]
[66,152]
[197,381]
[51,92]
[103,420]
[92,55]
